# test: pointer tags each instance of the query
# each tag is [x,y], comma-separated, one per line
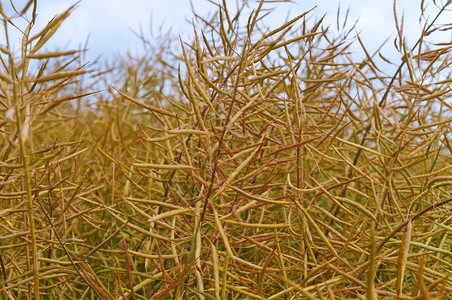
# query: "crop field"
[246,163]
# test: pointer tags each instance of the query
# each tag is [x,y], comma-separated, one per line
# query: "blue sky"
[109,23]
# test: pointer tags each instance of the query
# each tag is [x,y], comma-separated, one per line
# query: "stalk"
[23,153]
[31,224]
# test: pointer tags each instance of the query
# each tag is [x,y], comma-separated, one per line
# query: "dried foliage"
[271,164]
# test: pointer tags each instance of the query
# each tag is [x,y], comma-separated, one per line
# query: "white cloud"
[109,22]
